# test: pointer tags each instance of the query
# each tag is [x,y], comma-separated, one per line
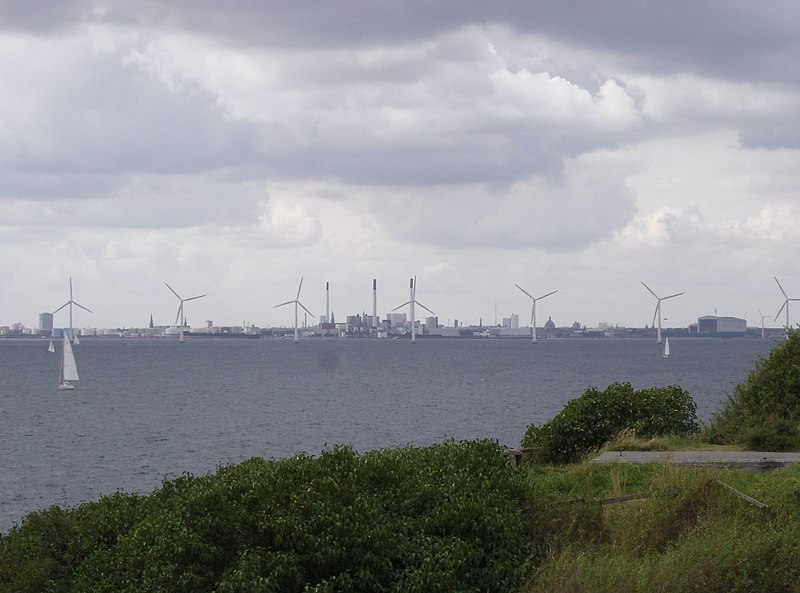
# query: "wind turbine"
[71,302]
[411,302]
[657,312]
[533,307]
[297,303]
[763,317]
[785,304]
[179,316]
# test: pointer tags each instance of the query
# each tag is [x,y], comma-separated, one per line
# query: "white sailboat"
[69,370]
[666,348]
[51,348]
[76,341]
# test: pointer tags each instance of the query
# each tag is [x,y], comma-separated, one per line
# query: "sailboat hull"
[66,385]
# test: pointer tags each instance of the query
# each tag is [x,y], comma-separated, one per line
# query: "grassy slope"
[691,535]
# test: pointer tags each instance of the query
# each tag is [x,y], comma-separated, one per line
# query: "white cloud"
[234,156]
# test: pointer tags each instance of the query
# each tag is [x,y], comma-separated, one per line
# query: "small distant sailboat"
[51,348]
[666,348]
[76,341]
[69,370]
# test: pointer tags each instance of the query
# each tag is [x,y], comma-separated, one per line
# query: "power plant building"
[713,325]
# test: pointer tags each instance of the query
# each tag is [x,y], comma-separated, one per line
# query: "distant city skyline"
[580,146]
[497,318]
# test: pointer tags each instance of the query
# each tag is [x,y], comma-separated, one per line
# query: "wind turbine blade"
[546,295]
[193,298]
[70,288]
[298,289]
[655,314]
[523,290]
[81,306]
[172,291]
[424,307]
[180,310]
[648,289]
[781,287]
[533,310]
[672,296]
[401,306]
[304,308]
[61,307]
[282,304]
[785,303]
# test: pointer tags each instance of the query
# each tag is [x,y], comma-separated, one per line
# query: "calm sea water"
[146,410]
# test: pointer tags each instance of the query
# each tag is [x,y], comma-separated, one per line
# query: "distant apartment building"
[46,321]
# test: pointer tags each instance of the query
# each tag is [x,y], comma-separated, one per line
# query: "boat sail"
[69,370]
[75,340]
[51,348]
[666,348]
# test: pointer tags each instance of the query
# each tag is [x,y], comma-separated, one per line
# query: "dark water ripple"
[146,410]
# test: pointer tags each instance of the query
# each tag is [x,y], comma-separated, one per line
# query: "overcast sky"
[579,146]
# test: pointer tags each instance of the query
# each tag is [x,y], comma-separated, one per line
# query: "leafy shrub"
[440,518]
[763,411]
[588,422]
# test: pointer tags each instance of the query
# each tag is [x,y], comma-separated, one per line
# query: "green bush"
[588,422]
[763,412]
[440,518]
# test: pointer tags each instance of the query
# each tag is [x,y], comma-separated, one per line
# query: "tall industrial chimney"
[375,303]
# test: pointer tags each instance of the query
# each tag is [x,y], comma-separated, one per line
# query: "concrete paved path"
[750,460]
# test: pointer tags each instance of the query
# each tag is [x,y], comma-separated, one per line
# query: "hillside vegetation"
[763,412]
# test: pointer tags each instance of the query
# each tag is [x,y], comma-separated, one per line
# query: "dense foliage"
[440,518]
[763,412]
[588,422]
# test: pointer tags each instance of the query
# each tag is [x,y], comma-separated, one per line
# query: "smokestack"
[327,302]
[411,306]
[374,303]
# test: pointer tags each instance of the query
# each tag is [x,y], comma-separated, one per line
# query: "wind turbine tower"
[375,304]
[657,312]
[297,303]
[411,302]
[179,316]
[533,307]
[70,302]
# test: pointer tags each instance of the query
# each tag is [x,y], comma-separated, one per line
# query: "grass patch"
[628,440]
[690,535]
